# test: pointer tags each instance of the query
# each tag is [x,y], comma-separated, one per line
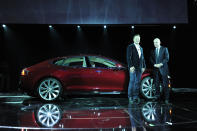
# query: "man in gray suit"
[159,59]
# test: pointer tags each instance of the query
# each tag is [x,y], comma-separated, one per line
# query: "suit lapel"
[160,51]
[141,52]
[136,51]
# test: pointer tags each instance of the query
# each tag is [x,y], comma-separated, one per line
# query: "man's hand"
[132,69]
[143,69]
[158,65]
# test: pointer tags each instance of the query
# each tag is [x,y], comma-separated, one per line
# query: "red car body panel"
[79,78]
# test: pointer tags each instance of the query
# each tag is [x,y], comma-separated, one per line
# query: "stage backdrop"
[93,11]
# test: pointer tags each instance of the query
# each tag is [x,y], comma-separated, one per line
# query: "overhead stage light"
[4,26]
[104,26]
[132,26]
[50,26]
[174,27]
[78,26]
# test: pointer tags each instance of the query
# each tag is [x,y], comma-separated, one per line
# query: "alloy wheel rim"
[48,115]
[49,89]
[149,111]
[148,89]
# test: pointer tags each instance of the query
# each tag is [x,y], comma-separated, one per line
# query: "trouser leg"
[165,87]
[131,84]
[157,83]
[137,84]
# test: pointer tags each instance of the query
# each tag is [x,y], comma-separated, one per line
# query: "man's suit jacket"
[133,58]
[163,58]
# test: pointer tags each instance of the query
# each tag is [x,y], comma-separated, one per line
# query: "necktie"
[157,52]
[157,55]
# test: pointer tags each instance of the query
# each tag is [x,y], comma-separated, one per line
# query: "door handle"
[98,71]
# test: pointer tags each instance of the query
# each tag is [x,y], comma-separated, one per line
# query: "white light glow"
[3,25]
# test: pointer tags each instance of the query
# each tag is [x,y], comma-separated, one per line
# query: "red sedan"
[80,74]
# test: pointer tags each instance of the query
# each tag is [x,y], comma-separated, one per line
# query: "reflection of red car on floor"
[62,117]
[51,115]
[80,74]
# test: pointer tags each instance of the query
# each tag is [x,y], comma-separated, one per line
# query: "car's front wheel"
[49,89]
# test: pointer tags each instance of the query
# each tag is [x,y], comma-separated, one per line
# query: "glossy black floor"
[21,112]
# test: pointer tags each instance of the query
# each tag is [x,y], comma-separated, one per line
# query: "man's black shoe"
[166,102]
[156,97]
[131,100]
[137,100]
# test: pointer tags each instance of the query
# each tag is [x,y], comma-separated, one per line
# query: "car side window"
[59,62]
[72,61]
[76,64]
[101,62]
[97,64]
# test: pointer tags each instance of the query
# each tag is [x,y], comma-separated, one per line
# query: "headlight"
[24,72]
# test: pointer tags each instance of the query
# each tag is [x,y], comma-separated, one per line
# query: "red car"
[80,74]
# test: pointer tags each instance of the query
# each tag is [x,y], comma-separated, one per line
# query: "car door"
[76,74]
[107,76]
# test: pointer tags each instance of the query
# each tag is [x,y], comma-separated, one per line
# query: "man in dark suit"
[136,66]
[159,59]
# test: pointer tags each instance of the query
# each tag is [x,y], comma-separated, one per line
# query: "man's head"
[157,42]
[136,39]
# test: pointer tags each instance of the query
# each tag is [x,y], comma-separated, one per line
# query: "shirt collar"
[137,45]
[158,47]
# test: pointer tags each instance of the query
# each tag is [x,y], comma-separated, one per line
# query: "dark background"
[22,45]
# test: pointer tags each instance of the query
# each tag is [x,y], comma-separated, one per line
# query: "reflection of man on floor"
[159,59]
[135,115]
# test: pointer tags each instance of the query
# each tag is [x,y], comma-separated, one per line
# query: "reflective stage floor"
[20,112]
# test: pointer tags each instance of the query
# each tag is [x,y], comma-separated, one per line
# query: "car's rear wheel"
[147,88]
[49,89]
